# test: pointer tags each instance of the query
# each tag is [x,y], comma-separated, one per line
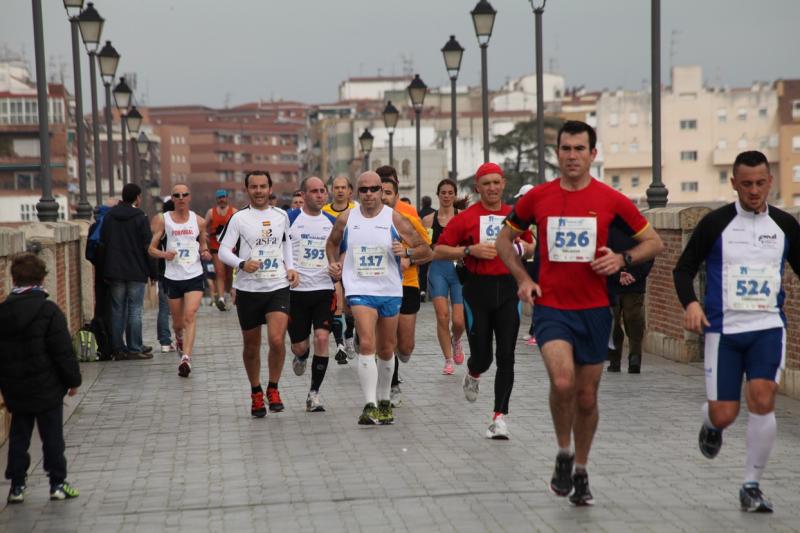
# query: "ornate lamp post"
[453,52]
[46,207]
[122,97]
[416,92]
[538,11]
[483,19]
[365,140]
[390,117]
[109,59]
[91,25]
[656,192]
[84,210]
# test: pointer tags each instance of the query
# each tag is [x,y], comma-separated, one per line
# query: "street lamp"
[390,117]
[84,209]
[91,25]
[134,120]
[538,11]
[46,207]
[483,19]
[109,59]
[656,192]
[453,52]
[416,91]
[143,148]
[365,140]
[122,97]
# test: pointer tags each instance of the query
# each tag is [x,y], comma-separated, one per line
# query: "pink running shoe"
[531,342]
[448,369]
[458,352]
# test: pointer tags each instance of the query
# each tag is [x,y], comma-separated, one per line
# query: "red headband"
[488,168]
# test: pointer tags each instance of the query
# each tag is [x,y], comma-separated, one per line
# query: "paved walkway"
[153,452]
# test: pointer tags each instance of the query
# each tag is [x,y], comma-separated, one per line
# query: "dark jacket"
[126,236]
[37,365]
[620,241]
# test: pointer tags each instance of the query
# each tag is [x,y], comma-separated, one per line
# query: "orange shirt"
[411,275]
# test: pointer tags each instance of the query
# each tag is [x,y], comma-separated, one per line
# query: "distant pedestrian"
[37,368]
[162,322]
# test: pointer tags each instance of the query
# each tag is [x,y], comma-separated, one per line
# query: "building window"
[796,173]
[634,182]
[741,114]
[24,181]
[763,143]
[614,148]
[689,124]
[722,116]
[688,186]
[723,176]
[742,144]
[796,109]
[689,155]
[762,112]
[613,120]
[633,119]
[633,148]
[796,143]
[615,182]
[722,144]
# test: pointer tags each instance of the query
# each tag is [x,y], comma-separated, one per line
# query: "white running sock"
[385,372]
[706,418]
[368,376]
[761,431]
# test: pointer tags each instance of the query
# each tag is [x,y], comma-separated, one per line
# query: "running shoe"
[710,441]
[458,351]
[221,304]
[526,336]
[274,400]
[166,348]
[257,407]
[63,491]
[341,355]
[498,430]
[313,404]
[16,494]
[369,416]
[350,348]
[448,367]
[581,495]
[179,345]
[396,396]
[561,482]
[471,387]
[531,341]
[385,415]
[185,367]
[299,365]
[751,498]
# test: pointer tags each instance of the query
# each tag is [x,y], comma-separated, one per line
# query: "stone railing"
[665,335]
[69,275]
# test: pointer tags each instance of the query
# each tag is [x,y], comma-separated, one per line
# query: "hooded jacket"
[37,365]
[126,236]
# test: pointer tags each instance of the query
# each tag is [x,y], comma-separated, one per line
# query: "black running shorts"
[177,288]
[253,307]
[310,308]
[410,305]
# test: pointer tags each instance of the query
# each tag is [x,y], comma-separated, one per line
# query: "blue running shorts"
[587,330]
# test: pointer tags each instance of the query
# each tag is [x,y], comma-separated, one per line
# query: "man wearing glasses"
[260,233]
[364,251]
[184,278]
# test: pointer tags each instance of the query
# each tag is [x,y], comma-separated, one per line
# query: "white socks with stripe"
[761,431]
[385,372]
[368,376]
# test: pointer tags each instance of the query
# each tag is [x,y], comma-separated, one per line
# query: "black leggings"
[491,308]
[51,431]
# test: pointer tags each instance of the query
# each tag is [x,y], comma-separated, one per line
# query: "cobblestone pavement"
[153,452]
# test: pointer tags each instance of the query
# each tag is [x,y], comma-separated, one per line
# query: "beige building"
[788,177]
[703,129]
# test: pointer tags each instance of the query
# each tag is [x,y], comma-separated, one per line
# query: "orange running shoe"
[257,408]
[274,399]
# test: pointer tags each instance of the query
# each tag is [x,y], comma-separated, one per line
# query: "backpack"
[93,243]
[84,344]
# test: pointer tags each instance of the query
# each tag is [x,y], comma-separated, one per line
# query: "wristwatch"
[241,265]
[408,252]
[466,251]
[628,259]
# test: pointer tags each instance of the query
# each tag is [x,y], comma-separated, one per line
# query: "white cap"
[523,190]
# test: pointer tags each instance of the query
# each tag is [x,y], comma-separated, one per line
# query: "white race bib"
[312,254]
[571,239]
[490,227]
[187,252]
[370,261]
[752,287]
[271,262]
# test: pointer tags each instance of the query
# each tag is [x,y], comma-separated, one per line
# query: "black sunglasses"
[374,188]
[180,194]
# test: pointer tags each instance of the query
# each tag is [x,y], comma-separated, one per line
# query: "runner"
[345,347]
[369,237]
[444,288]
[259,232]
[313,300]
[407,321]
[489,292]
[184,279]
[217,217]
[744,246]
[572,320]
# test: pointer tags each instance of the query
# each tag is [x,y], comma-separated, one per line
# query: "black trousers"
[491,309]
[630,311]
[51,431]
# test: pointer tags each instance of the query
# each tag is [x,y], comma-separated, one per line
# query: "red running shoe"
[257,407]
[274,399]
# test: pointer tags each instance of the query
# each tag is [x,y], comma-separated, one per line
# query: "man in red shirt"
[572,320]
[490,300]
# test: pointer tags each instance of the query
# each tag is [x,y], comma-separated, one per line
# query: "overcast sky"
[215,51]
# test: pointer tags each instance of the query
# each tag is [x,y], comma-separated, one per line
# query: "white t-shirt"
[370,267]
[261,234]
[182,239]
[308,235]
